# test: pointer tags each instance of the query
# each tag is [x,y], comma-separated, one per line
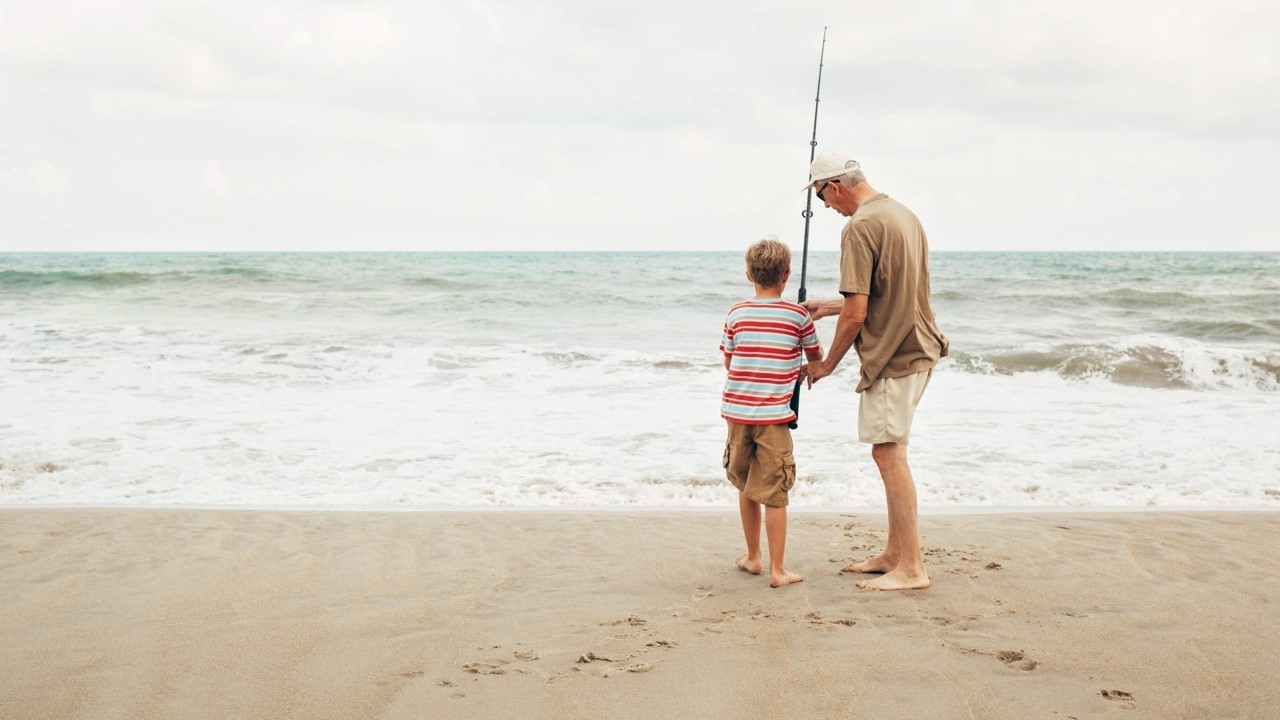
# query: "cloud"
[40,180]
[215,182]
[570,124]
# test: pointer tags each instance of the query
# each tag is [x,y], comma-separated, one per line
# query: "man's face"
[821,188]
[835,196]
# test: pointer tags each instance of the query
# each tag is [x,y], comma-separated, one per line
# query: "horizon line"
[600,251]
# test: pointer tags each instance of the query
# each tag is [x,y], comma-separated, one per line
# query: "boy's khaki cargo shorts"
[758,461]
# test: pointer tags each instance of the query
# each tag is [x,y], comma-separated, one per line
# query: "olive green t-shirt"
[885,256]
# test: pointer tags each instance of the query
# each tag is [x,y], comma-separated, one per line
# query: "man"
[887,315]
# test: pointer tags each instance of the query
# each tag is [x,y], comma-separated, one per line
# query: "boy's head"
[768,263]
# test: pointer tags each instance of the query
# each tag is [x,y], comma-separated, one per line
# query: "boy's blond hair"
[768,262]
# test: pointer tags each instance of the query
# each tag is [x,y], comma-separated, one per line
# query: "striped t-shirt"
[763,338]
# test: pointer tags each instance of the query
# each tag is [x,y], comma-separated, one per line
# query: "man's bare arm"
[819,309]
[853,313]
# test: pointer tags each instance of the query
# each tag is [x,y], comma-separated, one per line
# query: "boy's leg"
[775,526]
[739,449]
[775,468]
[750,511]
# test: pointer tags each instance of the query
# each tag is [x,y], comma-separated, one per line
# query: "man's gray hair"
[850,179]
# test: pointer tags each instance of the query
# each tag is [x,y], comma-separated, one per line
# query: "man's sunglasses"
[823,189]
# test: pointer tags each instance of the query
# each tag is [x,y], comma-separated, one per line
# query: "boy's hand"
[814,371]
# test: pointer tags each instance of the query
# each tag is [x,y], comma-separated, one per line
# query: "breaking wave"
[1139,365]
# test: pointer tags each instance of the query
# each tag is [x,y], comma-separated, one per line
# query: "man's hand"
[814,371]
[819,309]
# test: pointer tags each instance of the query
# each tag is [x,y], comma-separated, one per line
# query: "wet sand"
[148,613]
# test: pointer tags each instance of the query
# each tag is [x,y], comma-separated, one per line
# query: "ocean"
[576,380]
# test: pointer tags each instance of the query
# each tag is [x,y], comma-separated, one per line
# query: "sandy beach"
[148,613]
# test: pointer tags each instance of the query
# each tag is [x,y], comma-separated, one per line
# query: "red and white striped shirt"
[764,338]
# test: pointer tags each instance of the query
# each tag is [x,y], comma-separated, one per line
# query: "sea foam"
[592,380]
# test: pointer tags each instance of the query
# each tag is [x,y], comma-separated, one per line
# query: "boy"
[761,345]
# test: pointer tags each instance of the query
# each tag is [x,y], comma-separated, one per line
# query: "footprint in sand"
[590,657]
[633,620]
[1120,696]
[499,666]
[487,667]
[816,618]
[620,664]
[1016,659]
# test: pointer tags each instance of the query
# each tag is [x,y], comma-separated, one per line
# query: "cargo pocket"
[788,471]
[737,476]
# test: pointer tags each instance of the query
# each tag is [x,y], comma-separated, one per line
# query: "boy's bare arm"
[727,359]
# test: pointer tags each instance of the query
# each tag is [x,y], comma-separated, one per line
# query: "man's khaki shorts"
[886,409]
[758,461]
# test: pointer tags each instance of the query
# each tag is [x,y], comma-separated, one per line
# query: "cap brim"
[820,179]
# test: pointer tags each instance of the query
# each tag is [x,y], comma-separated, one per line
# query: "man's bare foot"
[897,580]
[751,566]
[784,578]
[881,563]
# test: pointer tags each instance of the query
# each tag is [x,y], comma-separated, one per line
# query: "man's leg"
[750,511]
[884,562]
[904,536]
[873,420]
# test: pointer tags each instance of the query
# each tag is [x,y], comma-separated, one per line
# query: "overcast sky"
[578,124]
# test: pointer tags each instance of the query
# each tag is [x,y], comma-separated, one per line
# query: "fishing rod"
[808,213]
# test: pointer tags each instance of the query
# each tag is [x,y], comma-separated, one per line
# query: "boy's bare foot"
[751,566]
[784,578]
[897,580]
[881,563]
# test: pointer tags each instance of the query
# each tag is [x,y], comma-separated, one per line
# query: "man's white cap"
[830,164]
